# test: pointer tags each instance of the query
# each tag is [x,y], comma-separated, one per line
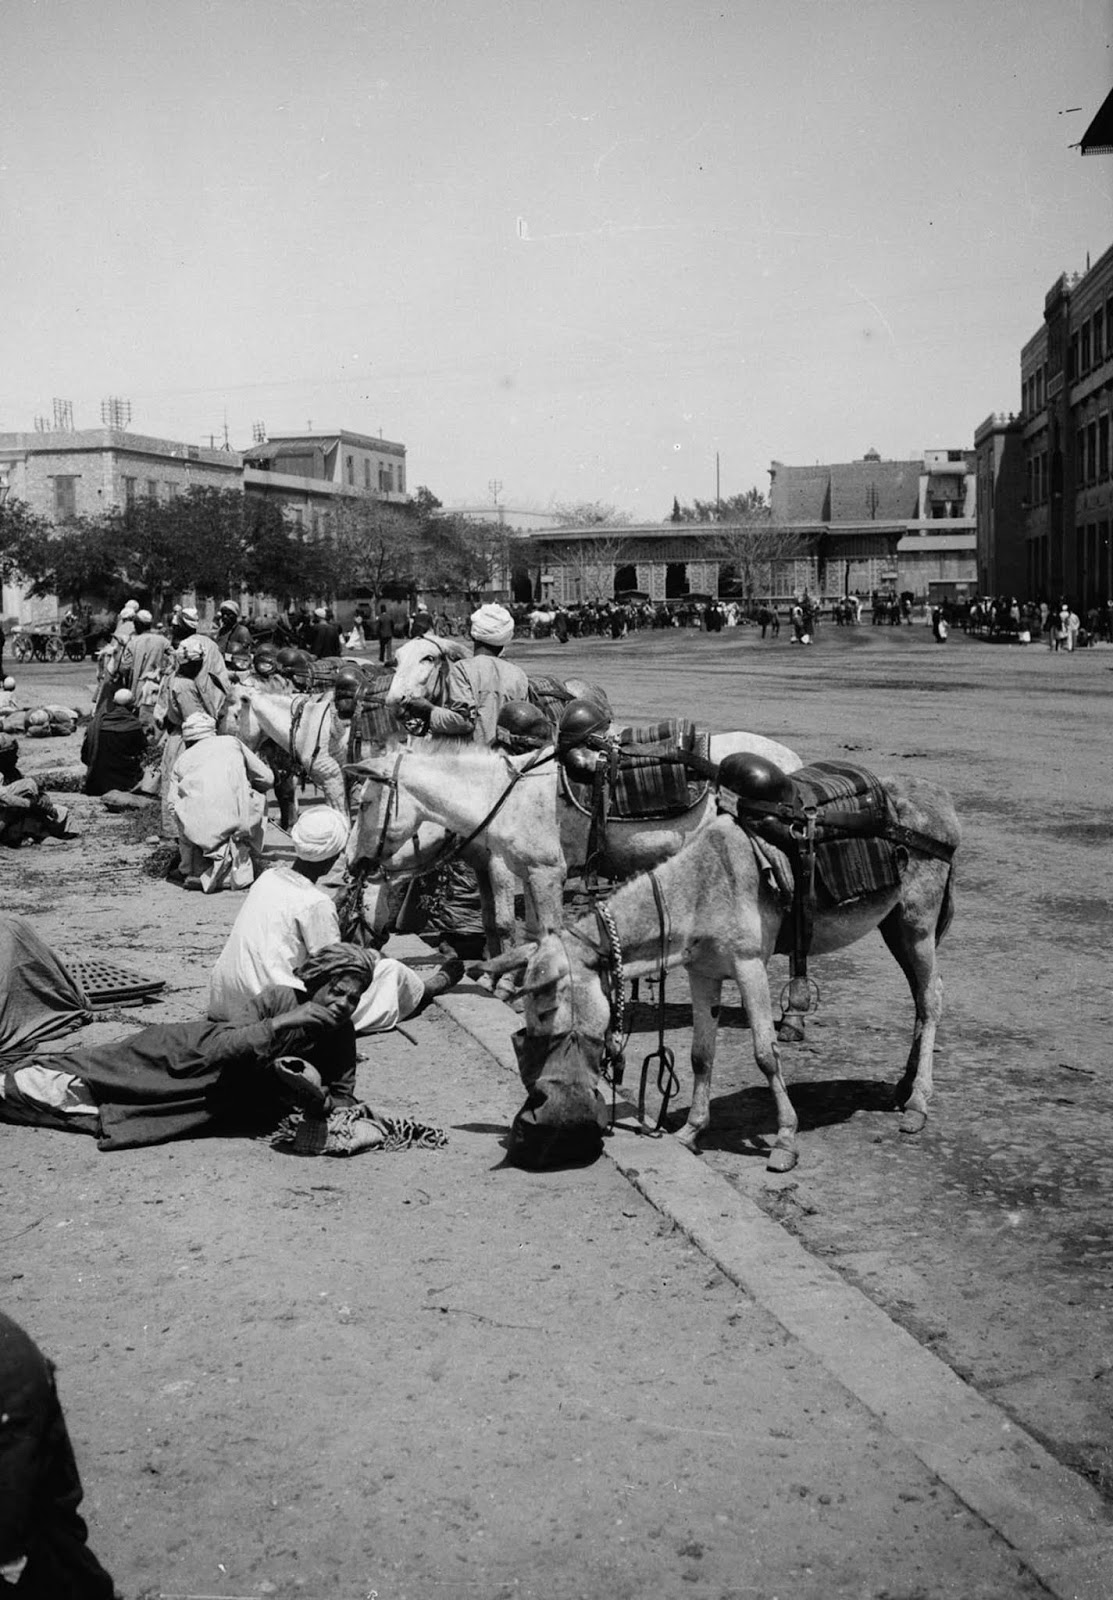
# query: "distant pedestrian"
[325,642]
[384,632]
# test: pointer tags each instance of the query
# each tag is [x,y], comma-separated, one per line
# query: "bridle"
[456,845]
[612,974]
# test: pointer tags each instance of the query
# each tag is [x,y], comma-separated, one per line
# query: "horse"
[711,909]
[503,808]
[304,725]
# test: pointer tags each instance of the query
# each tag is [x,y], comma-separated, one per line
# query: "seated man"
[27,813]
[286,918]
[114,747]
[218,791]
[290,1044]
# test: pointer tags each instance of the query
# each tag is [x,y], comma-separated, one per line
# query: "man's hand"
[313,1015]
[416,714]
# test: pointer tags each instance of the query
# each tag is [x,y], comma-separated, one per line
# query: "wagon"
[43,643]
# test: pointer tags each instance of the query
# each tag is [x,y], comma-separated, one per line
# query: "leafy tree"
[747,507]
[22,531]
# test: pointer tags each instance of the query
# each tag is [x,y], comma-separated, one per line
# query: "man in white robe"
[286,918]
[218,794]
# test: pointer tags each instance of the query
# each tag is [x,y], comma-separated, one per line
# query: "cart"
[40,643]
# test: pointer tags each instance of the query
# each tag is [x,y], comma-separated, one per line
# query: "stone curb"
[1056,1523]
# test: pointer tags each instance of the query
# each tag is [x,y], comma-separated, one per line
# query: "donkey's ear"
[516,960]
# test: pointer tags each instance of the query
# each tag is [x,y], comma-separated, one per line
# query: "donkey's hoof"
[780,1159]
[790,1030]
[912,1120]
[689,1137]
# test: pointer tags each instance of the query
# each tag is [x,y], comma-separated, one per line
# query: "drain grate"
[105,984]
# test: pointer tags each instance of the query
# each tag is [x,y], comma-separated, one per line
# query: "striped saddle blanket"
[848,867]
[647,782]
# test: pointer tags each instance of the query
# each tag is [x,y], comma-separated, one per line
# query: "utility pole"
[718,499]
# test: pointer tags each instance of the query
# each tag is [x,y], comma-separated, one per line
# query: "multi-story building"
[310,474]
[81,473]
[1058,543]
[999,463]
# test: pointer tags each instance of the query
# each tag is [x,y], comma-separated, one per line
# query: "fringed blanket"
[849,867]
[302,1135]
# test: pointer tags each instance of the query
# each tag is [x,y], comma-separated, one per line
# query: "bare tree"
[755,551]
[589,514]
[589,564]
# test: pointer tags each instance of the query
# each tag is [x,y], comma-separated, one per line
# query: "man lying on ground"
[287,917]
[293,1044]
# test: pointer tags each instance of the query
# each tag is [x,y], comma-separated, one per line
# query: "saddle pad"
[373,725]
[550,696]
[650,786]
[847,868]
[105,984]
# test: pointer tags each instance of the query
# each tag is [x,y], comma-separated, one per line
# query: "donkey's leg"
[544,896]
[913,947]
[753,984]
[706,994]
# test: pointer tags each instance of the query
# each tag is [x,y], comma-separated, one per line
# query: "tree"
[22,531]
[747,507]
[590,563]
[589,514]
[754,551]
[77,561]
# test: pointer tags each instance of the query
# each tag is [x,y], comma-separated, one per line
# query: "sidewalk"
[1058,1528]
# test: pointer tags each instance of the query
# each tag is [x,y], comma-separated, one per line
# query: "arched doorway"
[676,580]
[625,579]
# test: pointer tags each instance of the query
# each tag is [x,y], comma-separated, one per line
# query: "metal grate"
[105,984]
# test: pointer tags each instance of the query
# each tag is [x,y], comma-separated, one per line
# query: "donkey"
[714,912]
[318,741]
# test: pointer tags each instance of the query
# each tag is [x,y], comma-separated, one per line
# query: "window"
[1099,337]
[1091,452]
[1103,446]
[1039,389]
[1085,367]
[386,479]
[65,499]
[366,473]
[297,516]
[1072,359]
[152,489]
[401,485]
[171,491]
[350,464]
[129,491]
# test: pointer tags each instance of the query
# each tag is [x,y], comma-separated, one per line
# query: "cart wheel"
[22,646]
[75,650]
[54,649]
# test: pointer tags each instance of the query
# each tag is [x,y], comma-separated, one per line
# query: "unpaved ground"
[990,1236]
[427,1374]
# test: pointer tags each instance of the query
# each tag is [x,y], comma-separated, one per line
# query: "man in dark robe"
[114,747]
[180,1078]
[326,635]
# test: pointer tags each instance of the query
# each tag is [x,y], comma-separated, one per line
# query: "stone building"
[310,474]
[81,473]
[1057,475]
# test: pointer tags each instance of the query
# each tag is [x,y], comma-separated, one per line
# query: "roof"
[853,491]
[1098,138]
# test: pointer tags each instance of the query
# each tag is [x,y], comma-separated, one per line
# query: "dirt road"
[428,1374]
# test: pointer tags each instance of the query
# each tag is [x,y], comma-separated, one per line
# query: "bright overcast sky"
[576,248]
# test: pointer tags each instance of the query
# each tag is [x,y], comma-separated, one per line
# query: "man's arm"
[456,719]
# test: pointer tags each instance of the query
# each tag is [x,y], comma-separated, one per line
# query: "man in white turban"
[478,686]
[218,795]
[288,918]
[146,660]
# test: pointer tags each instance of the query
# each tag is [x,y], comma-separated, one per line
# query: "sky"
[578,251]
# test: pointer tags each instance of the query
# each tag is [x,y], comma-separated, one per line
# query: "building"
[1053,540]
[309,475]
[999,464]
[833,530]
[83,472]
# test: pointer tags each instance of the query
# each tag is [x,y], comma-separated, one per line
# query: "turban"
[9,684]
[189,614]
[230,605]
[123,697]
[130,608]
[143,616]
[321,612]
[493,625]
[198,725]
[320,834]
[334,961]
[192,648]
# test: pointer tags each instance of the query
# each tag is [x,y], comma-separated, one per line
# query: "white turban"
[319,834]
[123,697]
[9,683]
[321,612]
[143,616]
[189,614]
[192,648]
[130,608]
[493,625]
[198,725]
